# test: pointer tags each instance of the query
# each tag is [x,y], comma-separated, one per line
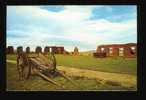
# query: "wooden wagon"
[43,65]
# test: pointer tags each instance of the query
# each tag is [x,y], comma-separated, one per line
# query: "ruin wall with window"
[123,50]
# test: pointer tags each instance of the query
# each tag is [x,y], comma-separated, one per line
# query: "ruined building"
[47,49]
[27,49]
[38,49]
[54,49]
[114,50]
[10,50]
[57,50]
[76,51]
[19,49]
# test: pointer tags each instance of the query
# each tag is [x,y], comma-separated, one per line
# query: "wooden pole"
[48,79]
[67,78]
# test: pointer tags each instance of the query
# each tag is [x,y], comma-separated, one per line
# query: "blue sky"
[83,26]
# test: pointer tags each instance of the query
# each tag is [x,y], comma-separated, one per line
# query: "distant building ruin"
[27,49]
[76,51]
[46,49]
[57,50]
[54,49]
[114,50]
[10,50]
[38,49]
[19,49]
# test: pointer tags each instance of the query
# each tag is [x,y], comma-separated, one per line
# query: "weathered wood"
[22,65]
[40,60]
[48,79]
[67,78]
[37,64]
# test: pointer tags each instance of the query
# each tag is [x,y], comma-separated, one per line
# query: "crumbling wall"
[100,55]
[27,49]
[38,49]
[57,50]
[76,51]
[46,49]
[114,50]
[19,49]
[10,50]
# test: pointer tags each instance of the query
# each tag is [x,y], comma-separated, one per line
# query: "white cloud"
[70,24]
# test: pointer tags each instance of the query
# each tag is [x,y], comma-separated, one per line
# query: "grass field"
[116,65]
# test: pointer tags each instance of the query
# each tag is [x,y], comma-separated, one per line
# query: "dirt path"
[124,80]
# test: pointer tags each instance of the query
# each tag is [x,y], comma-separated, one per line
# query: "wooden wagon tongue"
[48,79]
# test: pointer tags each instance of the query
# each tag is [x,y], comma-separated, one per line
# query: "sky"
[82,26]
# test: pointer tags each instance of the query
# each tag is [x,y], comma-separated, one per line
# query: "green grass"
[118,65]
[11,57]
[38,84]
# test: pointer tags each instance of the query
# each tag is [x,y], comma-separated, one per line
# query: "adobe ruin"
[57,50]
[27,49]
[54,49]
[10,50]
[38,49]
[47,49]
[76,51]
[19,49]
[114,50]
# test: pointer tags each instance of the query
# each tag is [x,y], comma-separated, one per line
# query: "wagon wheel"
[23,66]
